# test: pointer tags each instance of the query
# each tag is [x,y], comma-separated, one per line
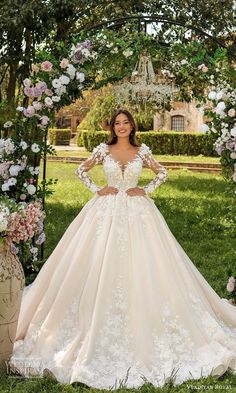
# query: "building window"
[177,123]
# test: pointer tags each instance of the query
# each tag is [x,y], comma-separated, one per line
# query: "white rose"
[220,107]
[219,95]
[212,95]
[80,76]
[233,132]
[31,189]
[35,148]
[56,83]
[5,187]
[48,101]
[64,80]
[71,70]
[233,155]
[231,112]
[56,98]
[61,90]
[37,105]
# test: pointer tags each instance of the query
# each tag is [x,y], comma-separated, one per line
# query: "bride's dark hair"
[132,137]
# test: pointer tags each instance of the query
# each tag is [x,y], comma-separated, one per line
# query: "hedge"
[160,142]
[59,136]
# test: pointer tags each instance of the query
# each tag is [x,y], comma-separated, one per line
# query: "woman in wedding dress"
[119,300]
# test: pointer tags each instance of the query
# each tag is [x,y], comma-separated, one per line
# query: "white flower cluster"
[223,102]
[10,169]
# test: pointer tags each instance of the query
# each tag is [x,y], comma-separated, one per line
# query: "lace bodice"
[122,178]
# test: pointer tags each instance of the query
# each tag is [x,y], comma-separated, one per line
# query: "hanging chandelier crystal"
[144,85]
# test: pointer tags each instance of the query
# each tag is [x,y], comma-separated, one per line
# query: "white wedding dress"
[119,300]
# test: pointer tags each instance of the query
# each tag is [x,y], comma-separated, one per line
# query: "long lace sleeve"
[150,162]
[96,157]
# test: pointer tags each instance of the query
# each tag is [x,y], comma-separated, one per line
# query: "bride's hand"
[107,190]
[136,191]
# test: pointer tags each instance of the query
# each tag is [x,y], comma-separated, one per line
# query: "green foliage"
[161,142]
[59,136]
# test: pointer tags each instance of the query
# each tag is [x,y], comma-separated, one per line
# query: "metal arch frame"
[149,19]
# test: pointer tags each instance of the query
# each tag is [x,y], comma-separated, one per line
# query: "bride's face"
[122,126]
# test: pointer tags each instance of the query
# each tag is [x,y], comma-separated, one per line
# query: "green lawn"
[195,208]
[177,158]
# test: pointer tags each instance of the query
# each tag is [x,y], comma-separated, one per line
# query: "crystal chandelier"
[144,85]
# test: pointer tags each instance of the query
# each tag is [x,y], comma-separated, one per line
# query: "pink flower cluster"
[22,226]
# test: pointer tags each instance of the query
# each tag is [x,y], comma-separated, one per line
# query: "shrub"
[59,136]
[161,142]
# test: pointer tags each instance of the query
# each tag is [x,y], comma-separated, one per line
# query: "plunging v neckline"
[123,168]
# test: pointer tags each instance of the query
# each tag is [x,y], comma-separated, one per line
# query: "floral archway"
[91,62]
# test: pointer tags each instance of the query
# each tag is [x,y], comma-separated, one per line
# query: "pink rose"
[30,111]
[48,92]
[46,66]
[64,63]
[44,120]
[42,86]
[27,82]
[29,91]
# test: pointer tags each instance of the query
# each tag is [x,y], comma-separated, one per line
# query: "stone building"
[183,117]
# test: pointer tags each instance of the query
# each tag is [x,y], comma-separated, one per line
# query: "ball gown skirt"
[119,300]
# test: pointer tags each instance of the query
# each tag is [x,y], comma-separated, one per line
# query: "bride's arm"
[150,162]
[95,158]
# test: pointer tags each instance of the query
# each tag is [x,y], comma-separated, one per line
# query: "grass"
[195,206]
[226,383]
[175,158]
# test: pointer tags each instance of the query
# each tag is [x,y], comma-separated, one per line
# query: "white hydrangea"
[56,83]
[80,76]
[31,189]
[9,146]
[14,170]
[64,80]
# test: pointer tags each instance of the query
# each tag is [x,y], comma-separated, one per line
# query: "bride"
[119,300]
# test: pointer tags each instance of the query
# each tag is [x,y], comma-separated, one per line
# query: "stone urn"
[12,281]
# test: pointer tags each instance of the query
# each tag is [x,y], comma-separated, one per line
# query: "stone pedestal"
[12,282]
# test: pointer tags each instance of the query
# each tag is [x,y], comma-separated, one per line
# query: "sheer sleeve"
[96,157]
[150,162]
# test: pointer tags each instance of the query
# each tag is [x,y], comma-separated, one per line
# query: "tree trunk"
[12,83]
